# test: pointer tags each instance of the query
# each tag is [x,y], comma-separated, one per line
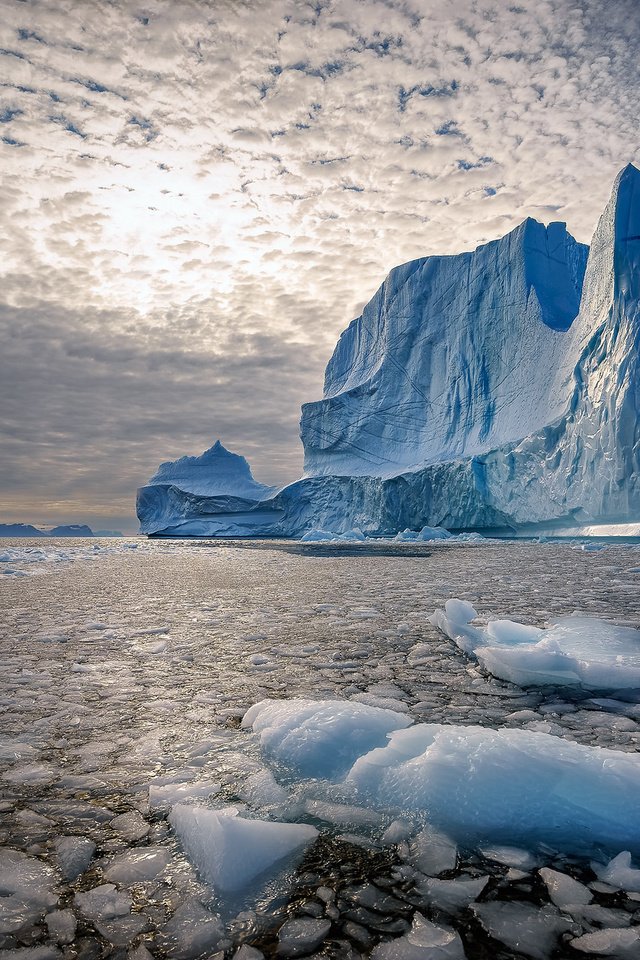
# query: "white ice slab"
[575,651]
[320,738]
[229,851]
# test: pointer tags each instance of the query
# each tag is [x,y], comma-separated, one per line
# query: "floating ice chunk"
[455,622]
[301,935]
[26,890]
[130,825]
[32,774]
[342,814]
[524,928]
[262,790]
[320,738]
[245,952]
[229,851]
[425,941]
[426,534]
[140,953]
[167,794]
[103,903]
[511,633]
[619,873]
[329,536]
[138,864]
[510,856]
[576,651]
[61,925]
[397,831]
[122,930]
[592,913]
[13,749]
[191,931]
[47,951]
[433,852]
[564,890]
[510,786]
[73,855]
[451,896]
[622,943]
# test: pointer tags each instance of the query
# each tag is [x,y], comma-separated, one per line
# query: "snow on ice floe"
[473,785]
[230,852]
[574,651]
[320,738]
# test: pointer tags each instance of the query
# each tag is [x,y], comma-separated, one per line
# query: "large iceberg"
[492,389]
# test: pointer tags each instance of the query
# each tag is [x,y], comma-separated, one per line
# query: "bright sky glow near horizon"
[199,196]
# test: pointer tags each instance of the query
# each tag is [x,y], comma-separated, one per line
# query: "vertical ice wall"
[453,356]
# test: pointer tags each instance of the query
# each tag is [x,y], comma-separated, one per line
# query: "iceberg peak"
[215,472]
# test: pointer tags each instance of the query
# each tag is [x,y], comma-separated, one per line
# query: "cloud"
[198,197]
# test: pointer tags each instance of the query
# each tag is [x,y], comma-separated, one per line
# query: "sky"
[199,195]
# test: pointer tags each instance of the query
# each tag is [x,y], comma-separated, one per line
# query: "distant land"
[65,530]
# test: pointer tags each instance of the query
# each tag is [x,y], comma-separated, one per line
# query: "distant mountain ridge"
[493,389]
[64,530]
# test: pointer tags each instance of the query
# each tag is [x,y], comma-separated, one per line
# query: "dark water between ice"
[135,661]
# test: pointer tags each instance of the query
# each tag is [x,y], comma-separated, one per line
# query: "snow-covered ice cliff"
[499,388]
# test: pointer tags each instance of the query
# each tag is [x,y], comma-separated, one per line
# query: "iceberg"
[496,389]
[213,495]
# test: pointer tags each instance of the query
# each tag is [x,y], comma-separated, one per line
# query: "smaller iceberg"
[216,472]
[573,651]
[213,495]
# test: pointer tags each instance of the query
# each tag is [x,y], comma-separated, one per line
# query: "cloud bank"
[199,196]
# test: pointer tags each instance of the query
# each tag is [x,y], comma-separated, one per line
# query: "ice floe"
[475,784]
[229,851]
[320,738]
[575,651]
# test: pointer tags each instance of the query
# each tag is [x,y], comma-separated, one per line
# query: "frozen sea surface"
[126,674]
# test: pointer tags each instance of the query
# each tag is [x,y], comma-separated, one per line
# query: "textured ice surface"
[320,738]
[229,851]
[576,651]
[514,786]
